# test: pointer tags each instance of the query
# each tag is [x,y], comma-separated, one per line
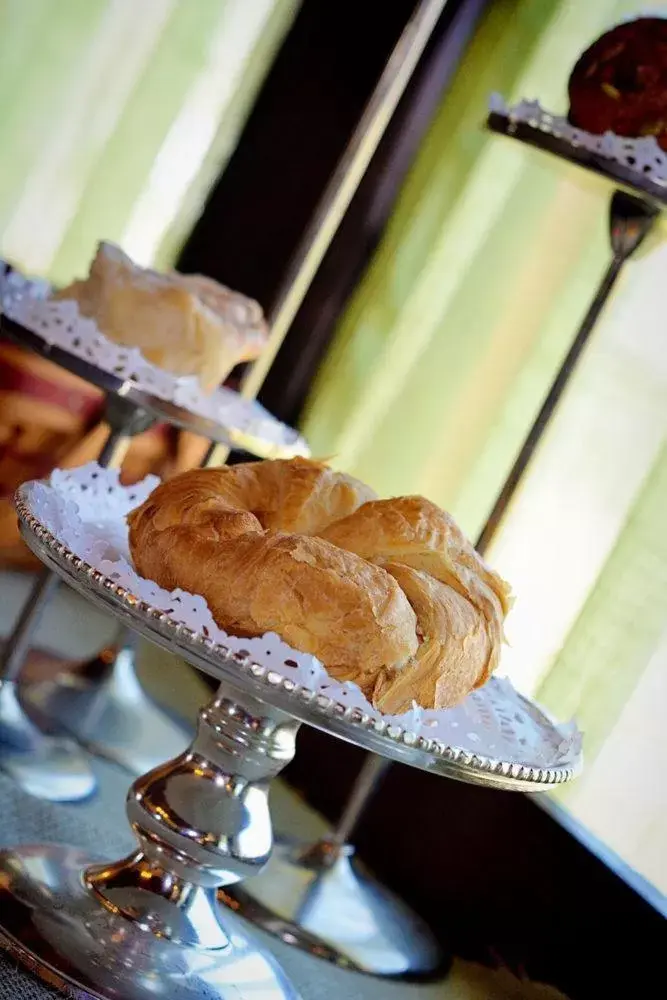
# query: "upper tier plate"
[56,331]
[75,523]
[638,166]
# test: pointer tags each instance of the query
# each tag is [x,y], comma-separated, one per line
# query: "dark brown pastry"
[619,84]
[386,593]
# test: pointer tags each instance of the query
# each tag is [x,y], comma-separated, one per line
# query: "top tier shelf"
[637,166]
[55,331]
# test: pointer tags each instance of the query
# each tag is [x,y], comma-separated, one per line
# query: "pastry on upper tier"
[185,323]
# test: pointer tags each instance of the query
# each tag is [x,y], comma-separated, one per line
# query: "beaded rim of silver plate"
[91,555]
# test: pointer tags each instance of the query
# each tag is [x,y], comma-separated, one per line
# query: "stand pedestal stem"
[52,767]
[113,717]
[149,925]
[20,640]
[630,222]
[371,773]
[325,852]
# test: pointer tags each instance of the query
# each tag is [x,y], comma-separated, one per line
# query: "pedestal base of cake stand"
[325,903]
[54,922]
[149,926]
[113,718]
[48,766]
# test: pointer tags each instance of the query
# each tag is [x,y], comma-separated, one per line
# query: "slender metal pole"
[338,194]
[18,642]
[515,476]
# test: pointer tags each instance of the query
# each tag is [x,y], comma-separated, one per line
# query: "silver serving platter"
[250,678]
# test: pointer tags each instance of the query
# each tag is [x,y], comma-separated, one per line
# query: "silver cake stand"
[113,716]
[311,886]
[155,924]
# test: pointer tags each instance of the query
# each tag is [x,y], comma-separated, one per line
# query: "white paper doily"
[85,509]
[644,155]
[25,300]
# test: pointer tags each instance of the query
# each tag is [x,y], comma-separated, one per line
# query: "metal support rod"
[114,450]
[366,784]
[53,768]
[18,643]
[338,194]
[515,476]
[630,222]
[19,640]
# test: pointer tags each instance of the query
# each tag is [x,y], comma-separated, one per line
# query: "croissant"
[386,593]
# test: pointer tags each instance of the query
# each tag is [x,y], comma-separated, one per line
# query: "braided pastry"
[386,593]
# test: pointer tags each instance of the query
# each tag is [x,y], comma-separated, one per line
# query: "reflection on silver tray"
[558,760]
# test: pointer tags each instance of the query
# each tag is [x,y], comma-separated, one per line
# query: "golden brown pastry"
[386,593]
[456,654]
[186,324]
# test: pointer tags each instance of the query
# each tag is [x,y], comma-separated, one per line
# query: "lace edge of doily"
[643,154]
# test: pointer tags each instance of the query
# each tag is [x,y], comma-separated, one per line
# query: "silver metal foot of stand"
[113,718]
[320,899]
[51,767]
[149,926]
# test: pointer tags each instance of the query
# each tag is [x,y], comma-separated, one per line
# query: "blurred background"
[202,134]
